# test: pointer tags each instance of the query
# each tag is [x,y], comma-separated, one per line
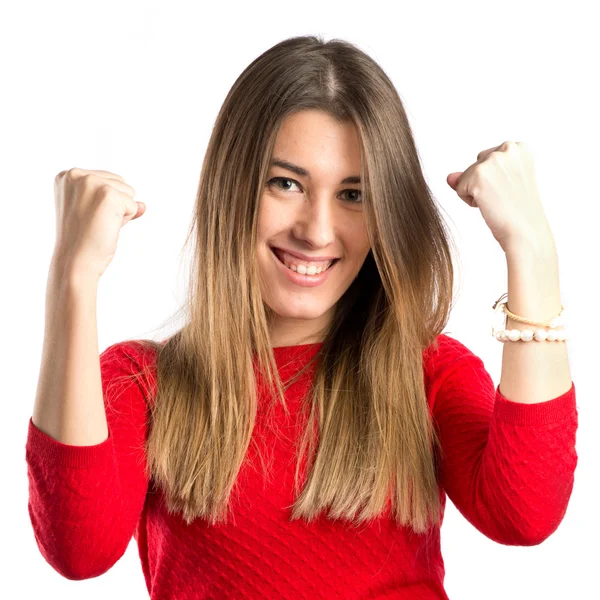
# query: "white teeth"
[312,270]
[303,269]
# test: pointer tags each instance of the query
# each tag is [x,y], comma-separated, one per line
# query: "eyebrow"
[284,164]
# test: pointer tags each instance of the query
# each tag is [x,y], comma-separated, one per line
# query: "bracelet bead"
[527,335]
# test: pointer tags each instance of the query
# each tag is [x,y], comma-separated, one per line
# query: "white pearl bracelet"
[526,335]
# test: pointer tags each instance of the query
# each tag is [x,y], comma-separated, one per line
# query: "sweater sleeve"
[508,467]
[85,501]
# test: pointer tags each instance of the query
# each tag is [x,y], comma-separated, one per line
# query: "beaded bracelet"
[526,335]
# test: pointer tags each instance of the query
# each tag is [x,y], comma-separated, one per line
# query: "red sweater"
[508,468]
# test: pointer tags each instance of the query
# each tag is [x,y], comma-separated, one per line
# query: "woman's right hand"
[91,208]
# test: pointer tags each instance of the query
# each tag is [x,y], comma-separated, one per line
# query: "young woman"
[297,437]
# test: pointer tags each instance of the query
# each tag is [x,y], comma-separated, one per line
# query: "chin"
[286,310]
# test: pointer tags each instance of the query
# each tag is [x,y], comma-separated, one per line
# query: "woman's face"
[313,207]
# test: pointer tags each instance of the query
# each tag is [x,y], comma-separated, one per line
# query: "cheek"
[362,240]
[271,220]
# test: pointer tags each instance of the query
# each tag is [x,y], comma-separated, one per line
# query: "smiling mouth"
[277,256]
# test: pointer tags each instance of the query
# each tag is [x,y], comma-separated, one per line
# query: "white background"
[134,88]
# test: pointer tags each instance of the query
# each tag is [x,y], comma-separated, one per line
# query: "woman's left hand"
[502,184]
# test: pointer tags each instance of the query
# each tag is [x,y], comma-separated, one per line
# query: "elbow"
[522,538]
[72,559]
[511,536]
[78,572]
[535,531]
[535,534]
[526,524]
[83,566]
[525,533]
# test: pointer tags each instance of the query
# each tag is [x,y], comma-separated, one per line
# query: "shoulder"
[442,355]
[129,355]
[129,364]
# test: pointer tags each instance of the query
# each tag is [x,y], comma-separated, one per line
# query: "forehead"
[315,141]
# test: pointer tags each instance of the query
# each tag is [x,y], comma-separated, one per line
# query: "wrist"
[67,274]
[535,246]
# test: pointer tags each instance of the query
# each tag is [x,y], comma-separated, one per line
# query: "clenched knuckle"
[104,190]
[74,173]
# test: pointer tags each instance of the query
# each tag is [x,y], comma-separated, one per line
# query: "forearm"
[69,404]
[533,371]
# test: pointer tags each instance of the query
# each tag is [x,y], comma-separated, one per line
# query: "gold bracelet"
[527,335]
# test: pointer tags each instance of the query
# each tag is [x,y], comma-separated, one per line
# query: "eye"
[276,182]
[354,192]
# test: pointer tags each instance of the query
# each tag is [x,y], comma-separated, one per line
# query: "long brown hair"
[370,436]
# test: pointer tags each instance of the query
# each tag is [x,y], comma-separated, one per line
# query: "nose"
[315,223]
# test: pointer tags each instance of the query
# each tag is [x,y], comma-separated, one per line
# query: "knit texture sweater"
[508,468]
